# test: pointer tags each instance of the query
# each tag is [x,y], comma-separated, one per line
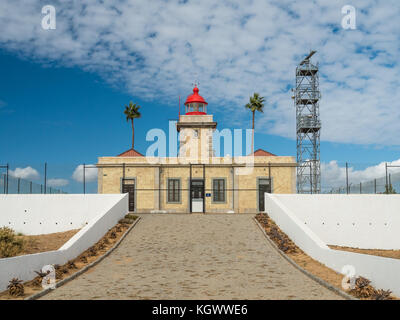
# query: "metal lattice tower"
[308,126]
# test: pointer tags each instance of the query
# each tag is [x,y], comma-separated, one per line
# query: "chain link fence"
[336,178]
[11,184]
[360,178]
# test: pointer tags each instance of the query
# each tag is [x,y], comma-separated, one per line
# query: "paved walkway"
[193,257]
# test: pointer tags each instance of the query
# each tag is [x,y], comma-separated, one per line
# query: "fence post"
[30,187]
[386,187]
[311,182]
[45,177]
[347,178]
[375,185]
[19,184]
[84,178]
[7,175]
[360,188]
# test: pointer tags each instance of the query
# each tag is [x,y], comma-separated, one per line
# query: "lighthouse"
[195,129]
[198,180]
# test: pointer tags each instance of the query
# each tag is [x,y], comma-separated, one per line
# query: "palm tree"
[132,112]
[256,103]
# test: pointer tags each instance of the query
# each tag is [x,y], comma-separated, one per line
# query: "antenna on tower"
[179,115]
[196,82]
[307,59]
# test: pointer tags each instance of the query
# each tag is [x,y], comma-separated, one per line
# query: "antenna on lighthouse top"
[179,116]
[196,82]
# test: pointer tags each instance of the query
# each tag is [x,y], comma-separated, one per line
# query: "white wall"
[105,214]
[284,210]
[361,221]
[33,214]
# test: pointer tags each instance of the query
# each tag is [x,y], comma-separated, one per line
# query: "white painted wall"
[288,211]
[33,214]
[101,217]
[361,221]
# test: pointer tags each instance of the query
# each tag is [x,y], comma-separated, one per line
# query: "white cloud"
[156,49]
[57,182]
[334,175]
[90,173]
[27,173]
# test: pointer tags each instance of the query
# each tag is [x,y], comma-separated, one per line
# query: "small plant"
[16,288]
[60,271]
[42,274]
[381,294]
[100,246]
[10,245]
[83,258]
[362,288]
[113,235]
[92,251]
[71,265]
[37,281]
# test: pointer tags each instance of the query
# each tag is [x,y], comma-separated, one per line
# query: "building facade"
[196,180]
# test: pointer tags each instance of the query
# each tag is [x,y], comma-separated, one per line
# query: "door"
[129,187]
[197,195]
[264,186]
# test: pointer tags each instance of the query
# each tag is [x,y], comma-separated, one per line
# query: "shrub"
[10,245]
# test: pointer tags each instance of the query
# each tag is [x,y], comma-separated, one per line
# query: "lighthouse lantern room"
[195,103]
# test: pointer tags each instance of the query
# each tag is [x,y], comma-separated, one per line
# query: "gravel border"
[310,275]
[84,269]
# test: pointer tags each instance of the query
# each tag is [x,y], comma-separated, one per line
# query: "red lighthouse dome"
[195,103]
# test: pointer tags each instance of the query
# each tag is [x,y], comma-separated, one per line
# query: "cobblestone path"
[195,256]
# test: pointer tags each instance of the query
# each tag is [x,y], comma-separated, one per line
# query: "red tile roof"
[130,153]
[263,153]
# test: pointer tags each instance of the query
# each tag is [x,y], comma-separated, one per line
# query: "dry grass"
[318,269]
[395,254]
[45,242]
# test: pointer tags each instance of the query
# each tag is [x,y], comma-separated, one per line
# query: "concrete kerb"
[91,265]
[310,275]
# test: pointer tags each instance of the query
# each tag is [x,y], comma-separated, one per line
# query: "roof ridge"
[130,153]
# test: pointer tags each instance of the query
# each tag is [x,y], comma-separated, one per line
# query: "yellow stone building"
[196,180]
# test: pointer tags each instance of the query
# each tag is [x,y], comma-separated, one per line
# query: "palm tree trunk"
[252,135]
[133,135]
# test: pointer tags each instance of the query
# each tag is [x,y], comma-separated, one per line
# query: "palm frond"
[256,103]
[132,111]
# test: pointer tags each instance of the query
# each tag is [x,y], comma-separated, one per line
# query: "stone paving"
[194,256]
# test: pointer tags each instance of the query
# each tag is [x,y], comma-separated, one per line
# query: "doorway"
[128,186]
[197,195]
[264,186]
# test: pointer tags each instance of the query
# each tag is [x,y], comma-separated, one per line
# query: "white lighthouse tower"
[196,128]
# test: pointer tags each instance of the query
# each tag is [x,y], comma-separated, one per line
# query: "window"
[218,190]
[174,190]
[196,133]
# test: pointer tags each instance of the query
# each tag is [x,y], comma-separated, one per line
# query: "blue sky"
[62,91]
